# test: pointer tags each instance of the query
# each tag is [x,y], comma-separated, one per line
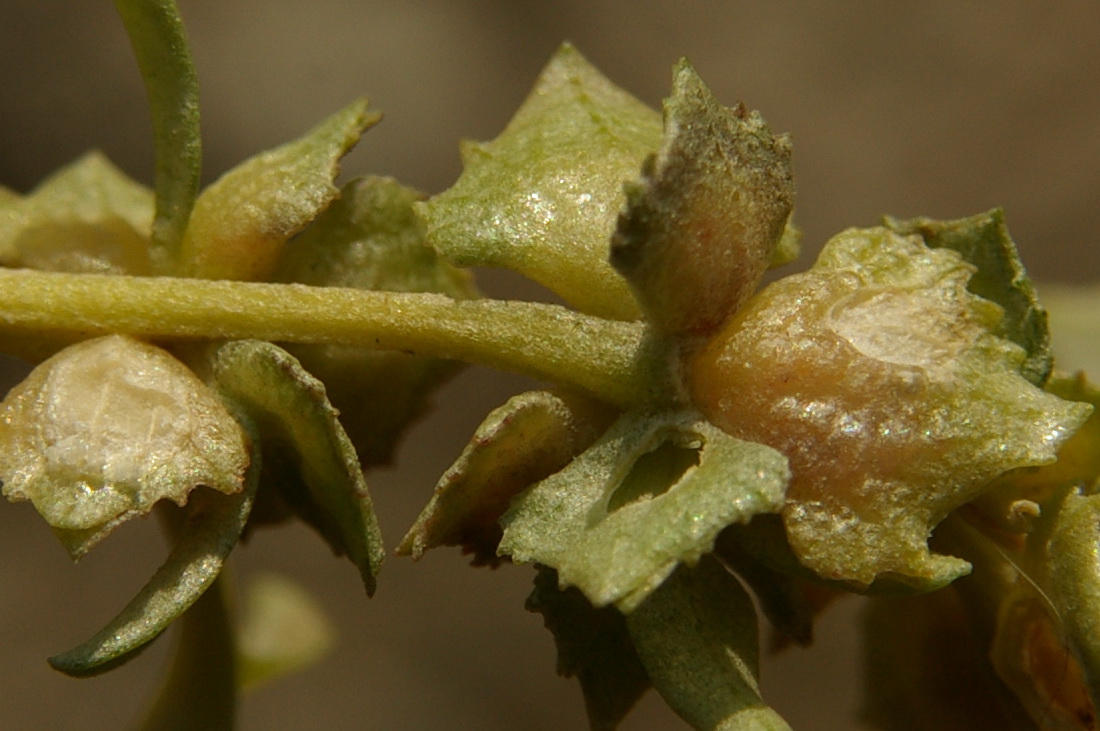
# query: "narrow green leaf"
[369,238]
[200,691]
[696,636]
[541,198]
[653,492]
[528,439]
[594,646]
[86,217]
[99,433]
[160,45]
[984,241]
[898,377]
[702,225]
[298,424]
[212,528]
[243,220]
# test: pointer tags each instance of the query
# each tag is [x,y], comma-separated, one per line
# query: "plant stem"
[618,362]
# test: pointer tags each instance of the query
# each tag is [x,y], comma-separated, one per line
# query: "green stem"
[618,362]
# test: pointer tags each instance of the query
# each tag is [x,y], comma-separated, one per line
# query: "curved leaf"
[298,424]
[241,222]
[86,217]
[696,636]
[653,492]
[212,528]
[528,439]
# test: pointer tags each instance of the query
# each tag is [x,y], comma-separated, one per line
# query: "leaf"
[160,46]
[702,225]
[212,528]
[242,221]
[696,636]
[528,439]
[86,217]
[984,241]
[103,430]
[541,198]
[594,646]
[200,690]
[297,422]
[653,492]
[369,238]
[1075,322]
[886,384]
[284,629]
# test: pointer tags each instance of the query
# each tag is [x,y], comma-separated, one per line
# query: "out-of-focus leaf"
[696,636]
[984,241]
[542,198]
[86,217]
[594,646]
[160,47]
[923,670]
[212,528]
[653,492]
[789,246]
[1074,566]
[701,226]
[200,691]
[885,383]
[241,223]
[283,629]
[528,439]
[103,430]
[295,419]
[370,238]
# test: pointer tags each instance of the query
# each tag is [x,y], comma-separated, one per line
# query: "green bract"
[542,198]
[653,492]
[103,430]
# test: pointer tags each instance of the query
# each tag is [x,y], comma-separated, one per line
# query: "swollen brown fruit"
[883,381]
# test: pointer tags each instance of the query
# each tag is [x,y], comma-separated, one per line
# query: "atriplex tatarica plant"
[235,356]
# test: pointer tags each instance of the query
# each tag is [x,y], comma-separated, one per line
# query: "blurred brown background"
[940,108]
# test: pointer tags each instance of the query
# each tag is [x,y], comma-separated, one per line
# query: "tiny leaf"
[541,199]
[283,630]
[528,439]
[886,384]
[594,646]
[242,221]
[160,45]
[212,528]
[696,636]
[104,429]
[369,238]
[984,241]
[297,422]
[702,226]
[653,492]
[86,217]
